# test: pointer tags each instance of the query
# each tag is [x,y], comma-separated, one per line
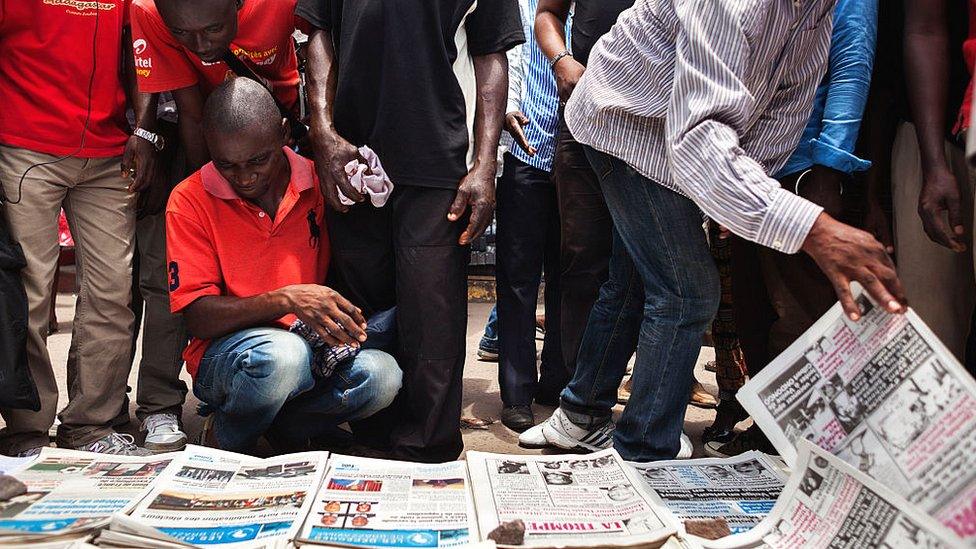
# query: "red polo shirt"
[220,244]
[264,42]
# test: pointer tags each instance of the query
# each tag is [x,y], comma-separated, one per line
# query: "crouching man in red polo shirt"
[246,251]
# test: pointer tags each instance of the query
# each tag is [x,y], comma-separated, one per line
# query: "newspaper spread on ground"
[379,503]
[12,465]
[70,492]
[828,503]
[567,500]
[741,489]
[884,395]
[216,498]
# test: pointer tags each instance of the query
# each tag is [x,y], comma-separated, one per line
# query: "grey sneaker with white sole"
[163,433]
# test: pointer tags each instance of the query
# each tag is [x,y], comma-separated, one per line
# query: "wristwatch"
[558,57]
[157,140]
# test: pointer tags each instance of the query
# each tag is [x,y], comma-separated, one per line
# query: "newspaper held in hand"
[367,502]
[829,504]
[222,499]
[568,500]
[70,492]
[884,395]
[741,489]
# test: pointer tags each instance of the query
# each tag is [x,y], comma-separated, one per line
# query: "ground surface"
[481,395]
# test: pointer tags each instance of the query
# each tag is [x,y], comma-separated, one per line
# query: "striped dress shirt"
[707,98]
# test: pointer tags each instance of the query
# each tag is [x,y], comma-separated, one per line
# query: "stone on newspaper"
[708,528]
[509,533]
[10,487]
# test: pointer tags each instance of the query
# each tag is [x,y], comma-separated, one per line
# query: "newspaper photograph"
[216,498]
[567,500]
[370,502]
[70,492]
[741,489]
[828,503]
[884,395]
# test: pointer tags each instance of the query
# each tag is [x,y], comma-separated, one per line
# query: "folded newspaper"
[884,395]
[71,494]
[829,504]
[216,498]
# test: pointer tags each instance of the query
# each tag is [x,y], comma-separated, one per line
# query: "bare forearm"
[216,316]
[143,104]
[550,24]
[927,75]
[491,76]
[189,103]
[321,78]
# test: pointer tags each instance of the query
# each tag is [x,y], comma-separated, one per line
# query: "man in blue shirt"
[527,237]
[776,296]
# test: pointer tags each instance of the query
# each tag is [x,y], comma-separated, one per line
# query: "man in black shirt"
[422,83]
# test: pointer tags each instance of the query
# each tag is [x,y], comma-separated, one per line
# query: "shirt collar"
[302,177]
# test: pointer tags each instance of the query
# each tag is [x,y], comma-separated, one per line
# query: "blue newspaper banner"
[226,534]
[39,526]
[390,538]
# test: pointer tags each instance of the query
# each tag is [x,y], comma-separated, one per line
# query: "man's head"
[245,134]
[205,27]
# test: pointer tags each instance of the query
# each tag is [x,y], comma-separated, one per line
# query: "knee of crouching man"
[384,378]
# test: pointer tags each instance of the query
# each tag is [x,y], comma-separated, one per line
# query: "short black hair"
[239,104]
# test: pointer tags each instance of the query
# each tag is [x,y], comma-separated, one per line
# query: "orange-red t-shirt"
[220,244]
[264,42]
[49,53]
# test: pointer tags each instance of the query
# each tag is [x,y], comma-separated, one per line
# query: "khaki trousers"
[101,213]
[939,283]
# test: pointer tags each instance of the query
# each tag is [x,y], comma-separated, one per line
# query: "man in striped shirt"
[687,108]
[527,237]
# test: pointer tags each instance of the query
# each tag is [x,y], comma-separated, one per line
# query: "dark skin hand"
[514,122]
[189,103]
[550,24]
[332,151]
[927,77]
[477,190]
[139,159]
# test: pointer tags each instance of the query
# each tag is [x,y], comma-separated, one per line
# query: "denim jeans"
[259,381]
[489,341]
[662,293]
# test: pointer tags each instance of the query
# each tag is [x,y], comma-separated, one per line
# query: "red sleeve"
[161,63]
[191,261]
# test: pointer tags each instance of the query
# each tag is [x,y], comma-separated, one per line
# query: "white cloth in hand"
[369,179]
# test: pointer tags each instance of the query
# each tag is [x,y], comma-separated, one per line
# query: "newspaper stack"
[884,395]
[216,498]
[71,495]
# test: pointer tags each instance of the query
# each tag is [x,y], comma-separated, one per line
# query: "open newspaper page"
[379,503]
[567,500]
[828,503]
[11,465]
[216,498]
[741,489]
[71,492]
[884,395]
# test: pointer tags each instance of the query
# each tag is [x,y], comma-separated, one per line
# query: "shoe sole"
[714,453]
[487,357]
[559,440]
[162,448]
[702,405]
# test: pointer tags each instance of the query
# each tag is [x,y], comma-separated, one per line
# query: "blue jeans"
[489,341]
[662,293]
[259,380]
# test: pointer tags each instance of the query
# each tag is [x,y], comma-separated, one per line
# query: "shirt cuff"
[838,159]
[513,105]
[788,221]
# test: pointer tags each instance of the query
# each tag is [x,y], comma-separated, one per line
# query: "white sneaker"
[686,449]
[114,443]
[560,432]
[163,433]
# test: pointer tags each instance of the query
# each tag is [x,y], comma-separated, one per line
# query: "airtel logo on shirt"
[139,46]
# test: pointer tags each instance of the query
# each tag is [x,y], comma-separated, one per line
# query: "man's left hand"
[477,191]
[139,163]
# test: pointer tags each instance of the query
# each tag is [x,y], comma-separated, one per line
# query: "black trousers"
[527,243]
[406,254]
[586,236]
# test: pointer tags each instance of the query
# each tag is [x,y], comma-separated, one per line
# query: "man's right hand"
[332,153]
[938,200]
[568,72]
[333,317]
[846,255]
[514,122]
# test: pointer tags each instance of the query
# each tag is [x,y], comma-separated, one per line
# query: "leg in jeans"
[432,303]
[33,224]
[160,388]
[586,235]
[101,213]
[489,341]
[526,207]
[663,234]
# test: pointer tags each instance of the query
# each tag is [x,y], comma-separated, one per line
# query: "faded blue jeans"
[661,296]
[259,380]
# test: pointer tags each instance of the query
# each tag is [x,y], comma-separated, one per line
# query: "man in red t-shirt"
[62,136]
[247,249]
[178,46]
